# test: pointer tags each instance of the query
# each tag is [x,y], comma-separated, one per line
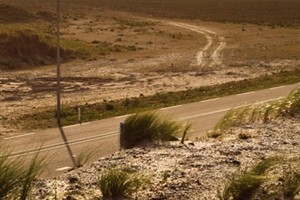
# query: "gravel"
[195,170]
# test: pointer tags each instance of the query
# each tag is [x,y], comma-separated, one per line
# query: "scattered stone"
[196,172]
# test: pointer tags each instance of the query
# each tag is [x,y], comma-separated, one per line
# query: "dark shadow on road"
[63,135]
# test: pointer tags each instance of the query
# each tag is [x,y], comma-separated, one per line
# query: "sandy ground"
[198,170]
[175,55]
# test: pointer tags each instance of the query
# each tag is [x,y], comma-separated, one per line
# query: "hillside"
[268,12]
[12,14]
[25,48]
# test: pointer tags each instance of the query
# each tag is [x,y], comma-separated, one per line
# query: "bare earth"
[173,55]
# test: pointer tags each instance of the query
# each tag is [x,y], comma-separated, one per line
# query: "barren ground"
[170,55]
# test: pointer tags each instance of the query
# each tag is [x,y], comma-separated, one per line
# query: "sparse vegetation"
[254,11]
[17,175]
[242,186]
[185,132]
[254,182]
[119,184]
[144,103]
[84,156]
[147,126]
[291,185]
[289,106]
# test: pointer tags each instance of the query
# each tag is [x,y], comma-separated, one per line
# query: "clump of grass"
[147,126]
[17,175]
[118,184]
[244,184]
[84,156]
[289,106]
[291,185]
[264,165]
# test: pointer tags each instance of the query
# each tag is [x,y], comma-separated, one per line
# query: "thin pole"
[58,112]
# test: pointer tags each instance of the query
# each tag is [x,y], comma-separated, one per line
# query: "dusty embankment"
[197,170]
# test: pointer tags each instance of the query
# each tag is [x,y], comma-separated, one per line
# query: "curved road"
[61,146]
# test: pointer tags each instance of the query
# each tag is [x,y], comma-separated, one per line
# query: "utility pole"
[58,111]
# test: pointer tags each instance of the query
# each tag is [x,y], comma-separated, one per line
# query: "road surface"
[102,136]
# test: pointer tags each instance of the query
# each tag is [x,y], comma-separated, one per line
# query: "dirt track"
[210,53]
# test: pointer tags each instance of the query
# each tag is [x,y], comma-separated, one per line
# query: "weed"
[84,156]
[291,185]
[185,132]
[17,175]
[242,186]
[118,184]
[264,165]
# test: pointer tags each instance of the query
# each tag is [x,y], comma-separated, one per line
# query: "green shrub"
[147,126]
[118,184]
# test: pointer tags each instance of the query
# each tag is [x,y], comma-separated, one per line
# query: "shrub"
[147,126]
[118,184]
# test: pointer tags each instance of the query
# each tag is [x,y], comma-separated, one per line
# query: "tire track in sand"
[209,55]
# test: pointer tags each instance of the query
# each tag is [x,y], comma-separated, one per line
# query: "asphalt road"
[101,137]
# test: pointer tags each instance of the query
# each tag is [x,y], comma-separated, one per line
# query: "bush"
[118,184]
[147,126]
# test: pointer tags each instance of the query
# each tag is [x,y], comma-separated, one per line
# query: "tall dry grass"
[289,106]
[147,126]
[18,174]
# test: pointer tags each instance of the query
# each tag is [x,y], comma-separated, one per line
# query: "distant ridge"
[12,14]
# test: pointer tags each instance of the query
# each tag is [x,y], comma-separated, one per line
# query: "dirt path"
[210,53]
